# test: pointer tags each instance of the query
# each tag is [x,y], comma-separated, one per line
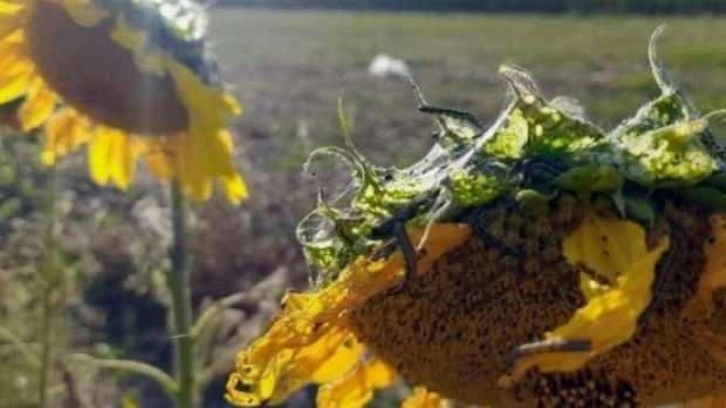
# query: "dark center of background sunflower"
[99,77]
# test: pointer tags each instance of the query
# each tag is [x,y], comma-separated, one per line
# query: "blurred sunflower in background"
[539,262]
[129,79]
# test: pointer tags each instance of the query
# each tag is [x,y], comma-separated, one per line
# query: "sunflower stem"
[181,308]
[48,284]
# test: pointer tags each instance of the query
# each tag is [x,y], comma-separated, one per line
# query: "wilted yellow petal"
[39,105]
[355,389]
[267,365]
[615,249]
[422,398]
[64,132]
[326,359]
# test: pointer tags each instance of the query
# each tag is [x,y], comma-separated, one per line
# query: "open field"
[289,69]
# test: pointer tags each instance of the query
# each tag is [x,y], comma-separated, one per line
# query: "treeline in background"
[517,6]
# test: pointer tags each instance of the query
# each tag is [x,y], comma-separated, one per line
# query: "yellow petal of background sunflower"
[422,398]
[10,16]
[232,183]
[158,156]
[10,7]
[355,389]
[13,52]
[39,105]
[306,318]
[16,70]
[191,167]
[613,248]
[64,132]
[112,157]
[208,151]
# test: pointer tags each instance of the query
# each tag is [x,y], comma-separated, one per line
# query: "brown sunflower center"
[99,77]
[454,328]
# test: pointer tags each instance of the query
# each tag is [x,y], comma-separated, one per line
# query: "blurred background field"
[289,68]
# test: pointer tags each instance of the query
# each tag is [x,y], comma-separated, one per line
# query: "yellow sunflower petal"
[210,109]
[112,157]
[306,318]
[610,316]
[64,132]
[158,157]
[206,153]
[235,188]
[423,398]
[329,357]
[192,167]
[13,53]
[14,87]
[8,8]
[39,105]
[356,388]
[232,183]
[16,70]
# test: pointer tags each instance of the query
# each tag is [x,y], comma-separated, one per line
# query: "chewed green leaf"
[509,142]
[670,155]
[666,142]
[324,250]
[550,129]
[664,111]
[553,132]
[471,189]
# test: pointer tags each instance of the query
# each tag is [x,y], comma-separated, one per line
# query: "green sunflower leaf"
[591,178]
[538,127]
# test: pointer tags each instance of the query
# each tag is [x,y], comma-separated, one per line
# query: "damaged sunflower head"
[540,260]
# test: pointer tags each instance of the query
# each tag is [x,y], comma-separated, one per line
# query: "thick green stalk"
[181,310]
[48,285]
